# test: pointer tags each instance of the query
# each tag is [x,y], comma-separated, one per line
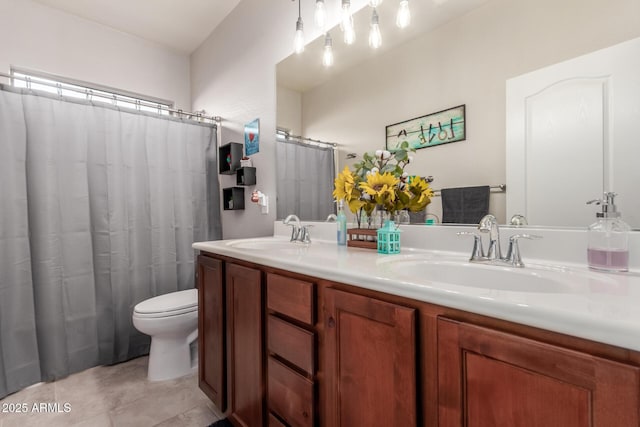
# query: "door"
[211,330]
[488,378]
[570,133]
[245,332]
[370,361]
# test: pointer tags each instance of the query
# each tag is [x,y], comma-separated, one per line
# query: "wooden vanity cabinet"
[370,351]
[245,317]
[211,330]
[309,352]
[230,338]
[488,378]
[291,346]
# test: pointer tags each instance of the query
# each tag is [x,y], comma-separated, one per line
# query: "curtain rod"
[286,136]
[198,115]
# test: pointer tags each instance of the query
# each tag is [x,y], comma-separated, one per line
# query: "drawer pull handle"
[331,322]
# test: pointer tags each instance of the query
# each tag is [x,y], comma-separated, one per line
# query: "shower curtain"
[305,175]
[98,211]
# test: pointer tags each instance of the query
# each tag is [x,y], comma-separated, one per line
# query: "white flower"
[385,154]
[374,170]
[379,154]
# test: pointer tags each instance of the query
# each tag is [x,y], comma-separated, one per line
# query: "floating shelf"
[229,156]
[246,176]
[233,198]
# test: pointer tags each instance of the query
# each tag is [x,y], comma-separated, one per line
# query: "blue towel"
[464,205]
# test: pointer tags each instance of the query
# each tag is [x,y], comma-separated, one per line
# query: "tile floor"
[113,396]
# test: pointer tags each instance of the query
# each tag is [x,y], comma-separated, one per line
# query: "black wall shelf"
[233,198]
[246,176]
[229,156]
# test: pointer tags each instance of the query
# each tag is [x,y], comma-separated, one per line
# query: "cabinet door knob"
[331,322]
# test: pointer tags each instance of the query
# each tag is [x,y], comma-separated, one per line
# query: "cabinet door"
[245,323]
[211,330]
[370,361]
[490,378]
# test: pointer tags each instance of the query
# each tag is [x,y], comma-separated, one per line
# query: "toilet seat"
[167,305]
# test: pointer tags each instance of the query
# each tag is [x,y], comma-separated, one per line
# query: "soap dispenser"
[341,221]
[608,247]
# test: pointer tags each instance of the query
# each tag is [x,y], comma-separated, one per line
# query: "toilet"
[172,322]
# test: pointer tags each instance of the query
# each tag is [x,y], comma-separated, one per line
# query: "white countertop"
[598,306]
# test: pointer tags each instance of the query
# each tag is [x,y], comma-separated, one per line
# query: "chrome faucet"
[299,233]
[489,224]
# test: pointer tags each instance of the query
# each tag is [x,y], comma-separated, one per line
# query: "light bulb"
[346,22]
[375,3]
[320,15]
[349,36]
[327,56]
[403,19]
[298,40]
[375,37]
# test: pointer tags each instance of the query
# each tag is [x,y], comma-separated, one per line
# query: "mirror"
[460,52]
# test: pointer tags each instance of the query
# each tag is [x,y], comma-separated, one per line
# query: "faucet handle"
[515,237]
[305,233]
[295,232]
[477,252]
[513,253]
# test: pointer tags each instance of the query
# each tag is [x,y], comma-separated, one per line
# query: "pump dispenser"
[341,221]
[608,247]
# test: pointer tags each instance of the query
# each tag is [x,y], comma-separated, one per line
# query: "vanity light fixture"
[327,56]
[298,40]
[403,19]
[346,22]
[375,37]
[320,14]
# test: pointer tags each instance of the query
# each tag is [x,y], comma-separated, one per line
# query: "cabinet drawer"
[290,395]
[292,343]
[290,297]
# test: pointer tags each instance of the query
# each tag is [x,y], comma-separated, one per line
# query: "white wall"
[40,38]
[289,109]
[233,76]
[466,61]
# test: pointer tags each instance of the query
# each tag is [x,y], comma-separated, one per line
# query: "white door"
[571,136]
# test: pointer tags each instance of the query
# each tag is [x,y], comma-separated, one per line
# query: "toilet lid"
[181,301]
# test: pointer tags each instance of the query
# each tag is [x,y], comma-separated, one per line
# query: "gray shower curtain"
[98,211]
[305,175]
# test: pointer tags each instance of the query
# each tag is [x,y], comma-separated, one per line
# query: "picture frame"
[433,129]
[252,137]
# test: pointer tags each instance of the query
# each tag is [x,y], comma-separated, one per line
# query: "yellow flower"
[381,187]
[420,194]
[344,185]
[365,188]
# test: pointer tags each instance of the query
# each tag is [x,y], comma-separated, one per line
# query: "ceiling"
[305,71]
[181,25]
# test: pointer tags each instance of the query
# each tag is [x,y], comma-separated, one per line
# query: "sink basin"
[529,279]
[267,244]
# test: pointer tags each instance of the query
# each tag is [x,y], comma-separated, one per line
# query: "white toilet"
[172,322]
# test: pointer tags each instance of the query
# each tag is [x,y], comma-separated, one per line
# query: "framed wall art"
[252,137]
[433,129]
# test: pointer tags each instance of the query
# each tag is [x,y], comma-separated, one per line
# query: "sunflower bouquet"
[380,181]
